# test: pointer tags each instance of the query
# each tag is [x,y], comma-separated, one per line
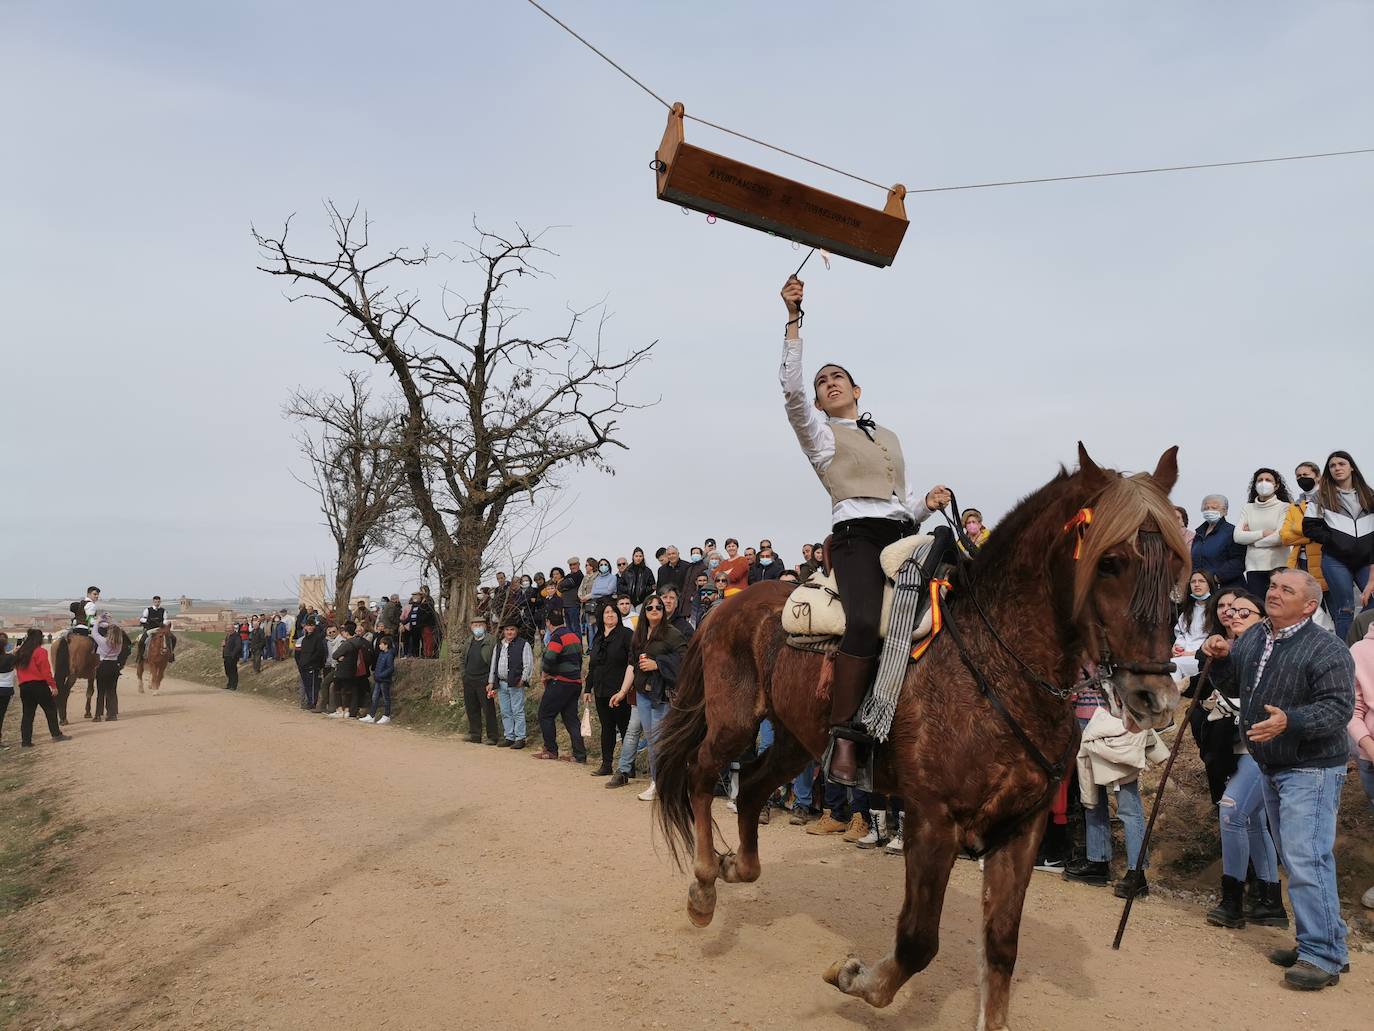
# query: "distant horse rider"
[155,616]
[861,466]
[83,612]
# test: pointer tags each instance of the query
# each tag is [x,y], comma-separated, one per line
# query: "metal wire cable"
[598,53]
[943,189]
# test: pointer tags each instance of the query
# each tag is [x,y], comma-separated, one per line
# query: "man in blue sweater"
[1296,684]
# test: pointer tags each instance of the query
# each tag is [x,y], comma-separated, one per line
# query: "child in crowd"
[382,674]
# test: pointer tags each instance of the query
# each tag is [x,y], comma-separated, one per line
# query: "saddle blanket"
[814,610]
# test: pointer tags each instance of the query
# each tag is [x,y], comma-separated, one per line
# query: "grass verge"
[31,847]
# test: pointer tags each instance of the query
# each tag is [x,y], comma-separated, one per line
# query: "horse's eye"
[1109,566]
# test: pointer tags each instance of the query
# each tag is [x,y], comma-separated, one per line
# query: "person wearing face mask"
[974,526]
[1261,521]
[1341,519]
[476,675]
[1304,554]
[769,568]
[637,580]
[1192,628]
[696,566]
[603,591]
[1215,549]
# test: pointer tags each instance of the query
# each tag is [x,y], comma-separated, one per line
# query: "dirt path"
[245,865]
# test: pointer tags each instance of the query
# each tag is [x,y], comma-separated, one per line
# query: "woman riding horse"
[1081,570]
[861,466]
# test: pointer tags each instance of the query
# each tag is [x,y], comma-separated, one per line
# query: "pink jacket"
[1362,724]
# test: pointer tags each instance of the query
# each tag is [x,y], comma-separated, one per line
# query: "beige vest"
[864,468]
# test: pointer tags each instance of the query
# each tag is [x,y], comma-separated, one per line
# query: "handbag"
[586,721]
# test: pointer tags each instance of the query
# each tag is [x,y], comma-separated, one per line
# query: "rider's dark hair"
[90,589]
[33,640]
[831,365]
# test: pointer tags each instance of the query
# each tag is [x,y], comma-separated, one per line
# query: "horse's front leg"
[782,761]
[931,843]
[1006,874]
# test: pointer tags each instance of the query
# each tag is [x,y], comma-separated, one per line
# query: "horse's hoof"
[733,871]
[701,903]
[140,688]
[843,972]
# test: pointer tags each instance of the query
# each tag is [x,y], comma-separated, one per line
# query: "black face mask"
[1306,482]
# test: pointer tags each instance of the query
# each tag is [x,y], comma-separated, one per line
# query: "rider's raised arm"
[813,431]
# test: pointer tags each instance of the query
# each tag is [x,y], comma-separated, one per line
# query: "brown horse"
[1050,590]
[73,658]
[155,651]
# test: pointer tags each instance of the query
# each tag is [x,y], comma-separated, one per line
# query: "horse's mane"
[1122,509]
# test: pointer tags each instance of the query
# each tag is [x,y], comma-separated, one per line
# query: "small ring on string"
[684,210]
[710,220]
[796,246]
[658,166]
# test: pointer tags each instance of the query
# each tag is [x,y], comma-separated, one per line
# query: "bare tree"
[490,414]
[347,444]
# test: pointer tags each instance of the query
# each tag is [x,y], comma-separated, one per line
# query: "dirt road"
[245,865]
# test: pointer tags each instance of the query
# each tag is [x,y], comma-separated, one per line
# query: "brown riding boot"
[853,676]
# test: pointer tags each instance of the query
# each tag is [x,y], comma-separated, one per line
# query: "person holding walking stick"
[1296,685]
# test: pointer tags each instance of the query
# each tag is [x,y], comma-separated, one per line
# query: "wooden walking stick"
[1159,795]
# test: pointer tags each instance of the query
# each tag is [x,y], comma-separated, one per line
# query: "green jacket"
[471,674]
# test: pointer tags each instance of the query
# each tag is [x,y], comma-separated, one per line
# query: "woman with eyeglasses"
[1259,528]
[1215,741]
[1341,520]
[1245,837]
[655,658]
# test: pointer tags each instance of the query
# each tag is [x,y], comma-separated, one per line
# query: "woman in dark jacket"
[605,674]
[1341,519]
[656,658]
[637,580]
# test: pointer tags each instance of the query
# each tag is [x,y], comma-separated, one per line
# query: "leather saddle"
[813,612]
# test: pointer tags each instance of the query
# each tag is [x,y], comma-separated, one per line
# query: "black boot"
[1252,891]
[1132,885]
[1268,908]
[852,676]
[1229,912]
[1087,871]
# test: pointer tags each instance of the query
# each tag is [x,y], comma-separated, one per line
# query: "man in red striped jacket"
[562,665]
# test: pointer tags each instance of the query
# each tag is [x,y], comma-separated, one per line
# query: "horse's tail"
[61,661]
[675,751]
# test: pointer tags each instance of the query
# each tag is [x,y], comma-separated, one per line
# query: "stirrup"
[864,747]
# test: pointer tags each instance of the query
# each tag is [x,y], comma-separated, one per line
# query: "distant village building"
[312,594]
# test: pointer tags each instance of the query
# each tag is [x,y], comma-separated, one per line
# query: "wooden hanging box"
[748,196]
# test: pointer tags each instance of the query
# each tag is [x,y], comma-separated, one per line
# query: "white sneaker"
[1367,899]
[384,719]
[336,715]
[648,794]
[367,719]
[894,847]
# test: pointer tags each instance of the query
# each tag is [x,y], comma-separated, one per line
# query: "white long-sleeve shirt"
[817,441]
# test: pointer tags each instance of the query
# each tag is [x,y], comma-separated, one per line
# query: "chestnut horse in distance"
[156,651]
[1050,590]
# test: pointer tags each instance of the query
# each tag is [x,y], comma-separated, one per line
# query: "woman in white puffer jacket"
[1258,525]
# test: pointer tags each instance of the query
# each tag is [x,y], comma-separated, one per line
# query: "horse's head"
[1127,558]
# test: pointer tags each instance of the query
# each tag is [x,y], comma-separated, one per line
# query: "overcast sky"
[146,361]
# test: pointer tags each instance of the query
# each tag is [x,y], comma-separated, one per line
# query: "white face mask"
[1264,489]
[479,632]
[1212,515]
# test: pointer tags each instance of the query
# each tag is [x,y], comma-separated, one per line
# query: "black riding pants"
[613,721]
[33,695]
[855,545]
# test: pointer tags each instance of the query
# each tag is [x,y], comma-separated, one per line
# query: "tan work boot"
[827,824]
[858,828]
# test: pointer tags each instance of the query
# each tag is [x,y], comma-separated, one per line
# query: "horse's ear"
[1166,472]
[1089,469]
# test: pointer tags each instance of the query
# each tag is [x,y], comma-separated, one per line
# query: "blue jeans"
[1367,779]
[1343,585]
[245,650]
[765,740]
[1098,823]
[1245,836]
[1302,806]
[512,703]
[381,696]
[648,716]
[801,787]
[632,742]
